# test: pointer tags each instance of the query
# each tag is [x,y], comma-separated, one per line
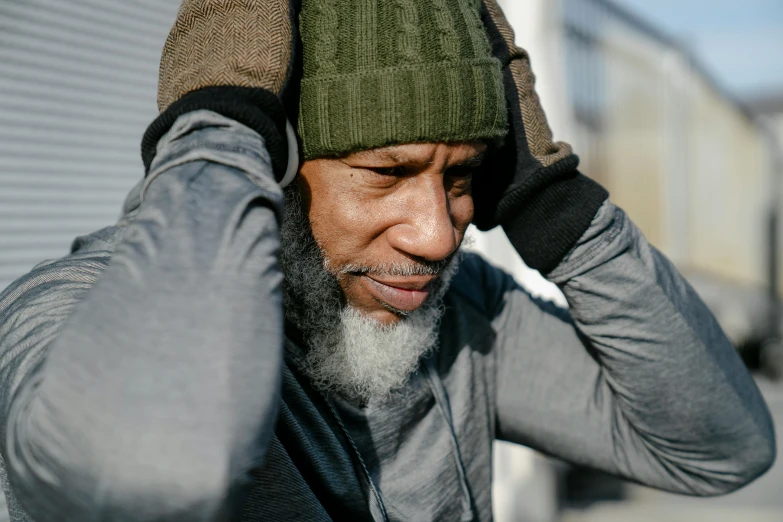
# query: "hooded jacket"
[148,376]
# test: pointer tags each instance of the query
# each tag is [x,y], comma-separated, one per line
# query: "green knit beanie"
[385,72]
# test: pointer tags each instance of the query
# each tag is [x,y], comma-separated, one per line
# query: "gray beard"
[348,352]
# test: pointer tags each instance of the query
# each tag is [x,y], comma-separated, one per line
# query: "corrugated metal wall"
[77,89]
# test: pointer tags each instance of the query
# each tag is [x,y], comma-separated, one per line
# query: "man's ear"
[294,153]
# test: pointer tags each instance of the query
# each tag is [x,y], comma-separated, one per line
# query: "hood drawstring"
[442,398]
[377,509]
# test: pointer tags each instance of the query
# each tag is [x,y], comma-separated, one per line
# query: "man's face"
[388,220]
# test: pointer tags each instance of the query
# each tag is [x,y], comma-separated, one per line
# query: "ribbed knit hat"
[385,72]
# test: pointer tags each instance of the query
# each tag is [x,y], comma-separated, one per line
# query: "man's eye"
[388,171]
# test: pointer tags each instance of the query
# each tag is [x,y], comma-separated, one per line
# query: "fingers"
[226,43]
[519,76]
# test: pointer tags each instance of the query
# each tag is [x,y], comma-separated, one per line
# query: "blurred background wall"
[78,83]
[697,170]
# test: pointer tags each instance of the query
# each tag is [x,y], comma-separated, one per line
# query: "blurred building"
[687,162]
[768,109]
[695,170]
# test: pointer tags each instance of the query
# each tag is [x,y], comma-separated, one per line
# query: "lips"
[405,295]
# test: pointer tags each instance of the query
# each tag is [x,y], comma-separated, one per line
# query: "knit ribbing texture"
[385,72]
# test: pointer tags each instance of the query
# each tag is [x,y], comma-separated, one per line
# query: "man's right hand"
[236,58]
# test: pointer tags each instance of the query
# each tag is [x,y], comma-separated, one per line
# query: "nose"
[426,229]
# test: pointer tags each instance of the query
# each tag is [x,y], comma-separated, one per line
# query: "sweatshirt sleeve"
[636,379]
[143,386]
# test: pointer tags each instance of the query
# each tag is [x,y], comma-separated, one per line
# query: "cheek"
[461,212]
[344,221]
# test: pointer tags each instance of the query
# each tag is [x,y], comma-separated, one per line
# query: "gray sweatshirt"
[148,375]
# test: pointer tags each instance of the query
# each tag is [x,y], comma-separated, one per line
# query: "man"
[221,355]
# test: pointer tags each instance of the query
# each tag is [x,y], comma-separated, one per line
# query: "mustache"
[414,268]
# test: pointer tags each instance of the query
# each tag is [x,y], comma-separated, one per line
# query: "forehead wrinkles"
[402,154]
[421,155]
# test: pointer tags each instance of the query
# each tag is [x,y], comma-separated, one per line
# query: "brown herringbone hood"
[241,43]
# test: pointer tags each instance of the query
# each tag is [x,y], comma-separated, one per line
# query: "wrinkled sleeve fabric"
[142,382]
[636,378]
